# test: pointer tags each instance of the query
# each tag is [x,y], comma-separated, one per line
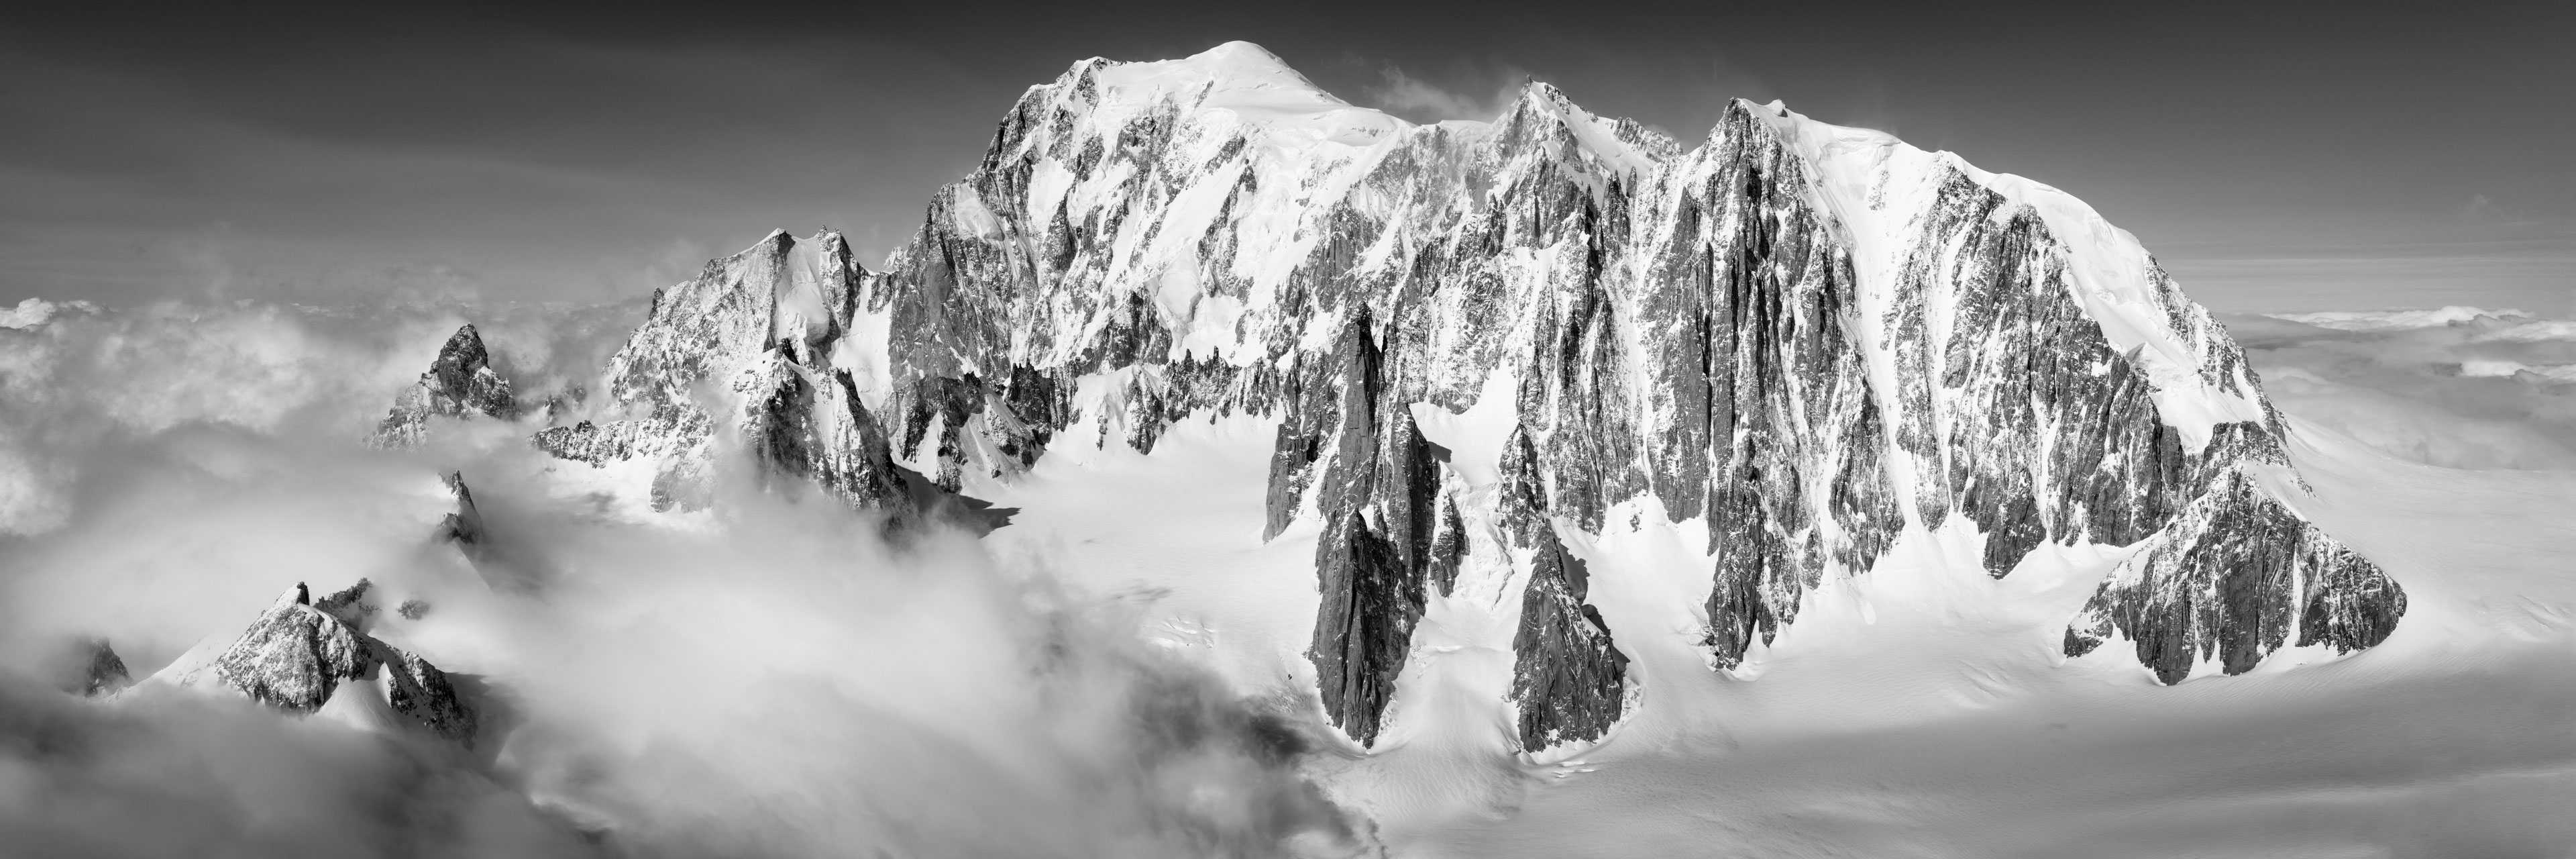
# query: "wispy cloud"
[1420,100]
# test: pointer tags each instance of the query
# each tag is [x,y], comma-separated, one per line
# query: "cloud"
[771,680]
[1423,101]
[181,774]
[80,379]
[2401,320]
[2459,387]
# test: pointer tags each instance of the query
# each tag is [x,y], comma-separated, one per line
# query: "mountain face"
[460,384]
[744,352]
[1802,340]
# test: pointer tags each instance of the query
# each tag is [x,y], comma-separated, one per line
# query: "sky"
[2274,157]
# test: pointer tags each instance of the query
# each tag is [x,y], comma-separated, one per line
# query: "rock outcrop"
[302,651]
[2231,579]
[1379,483]
[464,526]
[1568,678]
[460,384]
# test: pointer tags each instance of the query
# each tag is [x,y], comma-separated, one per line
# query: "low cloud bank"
[2459,387]
[79,380]
[775,679]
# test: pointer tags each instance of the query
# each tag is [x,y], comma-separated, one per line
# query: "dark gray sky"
[2275,157]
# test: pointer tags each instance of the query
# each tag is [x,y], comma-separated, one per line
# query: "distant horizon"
[544,156]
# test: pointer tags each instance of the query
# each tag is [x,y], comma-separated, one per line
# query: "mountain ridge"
[1813,339]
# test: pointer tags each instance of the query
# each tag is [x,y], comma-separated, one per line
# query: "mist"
[775,678]
[2458,387]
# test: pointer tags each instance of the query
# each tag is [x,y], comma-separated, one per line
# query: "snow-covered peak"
[1228,75]
[1884,189]
[1624,145]
[1241,82]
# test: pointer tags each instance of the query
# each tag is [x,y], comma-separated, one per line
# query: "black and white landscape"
[1224,468]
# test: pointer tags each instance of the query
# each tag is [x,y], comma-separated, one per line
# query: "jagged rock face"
[1448,545]
[808,428]
[1811,338]
[300,651]
[460,384]
[1380,482]
[418,689]
[465,526]
[1364,624]
[758,326]
[294,655]
[351,605]
[2229,580]
[2027,421]
[1568,678]
[1764,407]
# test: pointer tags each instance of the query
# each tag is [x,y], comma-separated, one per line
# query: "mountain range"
[1486,345]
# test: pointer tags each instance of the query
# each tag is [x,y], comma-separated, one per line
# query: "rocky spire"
[464,527]
[460,384]
[1568,678]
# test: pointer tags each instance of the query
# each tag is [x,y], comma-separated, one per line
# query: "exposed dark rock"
[1523,508]
[351,605]
[1766,295]
[2228,580]
[1568,678]
[460,384]
[813,430]
[418,689]
[1372,592]
[1448,546]
[294,655]
[2348,603]
[1363,625]
[300,652]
